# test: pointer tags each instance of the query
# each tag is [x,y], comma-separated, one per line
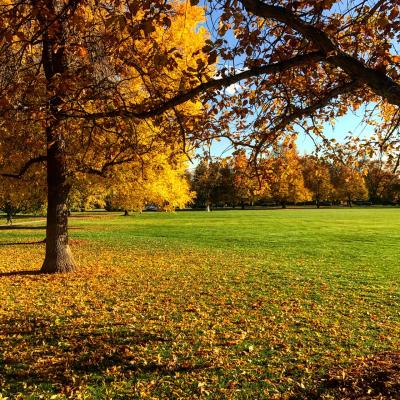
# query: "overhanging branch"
[25,167]
[102,171]
[377,81]
[307,111]
[281,66]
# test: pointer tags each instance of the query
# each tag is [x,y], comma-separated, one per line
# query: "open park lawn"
[272,304]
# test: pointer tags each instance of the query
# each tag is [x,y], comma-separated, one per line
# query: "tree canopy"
[68,70]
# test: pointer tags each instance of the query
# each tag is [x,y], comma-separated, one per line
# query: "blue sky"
[349,124]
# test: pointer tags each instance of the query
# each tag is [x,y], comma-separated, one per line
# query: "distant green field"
[228,304]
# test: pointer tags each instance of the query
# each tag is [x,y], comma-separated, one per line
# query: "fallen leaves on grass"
[372,377]
[154,319]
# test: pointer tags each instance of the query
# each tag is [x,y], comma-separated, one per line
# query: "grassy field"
[274,304]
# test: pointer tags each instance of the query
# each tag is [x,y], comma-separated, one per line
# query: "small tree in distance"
[25,195]
[286,179]
[317,179]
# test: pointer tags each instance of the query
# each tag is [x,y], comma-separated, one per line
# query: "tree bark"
[126,213]
[58,253]
[350,202]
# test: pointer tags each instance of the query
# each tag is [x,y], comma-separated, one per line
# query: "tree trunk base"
[60,261]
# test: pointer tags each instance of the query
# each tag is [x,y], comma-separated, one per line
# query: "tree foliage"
[317,178]
[212,183]
[158,182]
[76,80]
[283,177]
[286,178]
[25,195]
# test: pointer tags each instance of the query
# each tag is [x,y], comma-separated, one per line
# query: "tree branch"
[101,172]
[211,84]
[25,167]
[307,111]
[376,80]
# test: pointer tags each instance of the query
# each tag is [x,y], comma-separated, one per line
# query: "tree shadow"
[20,227]
[95,215]
[40,351]
[22,243]
[20,273]
[376,376]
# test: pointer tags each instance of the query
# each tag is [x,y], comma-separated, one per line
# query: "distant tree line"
[280,177]
[283,177]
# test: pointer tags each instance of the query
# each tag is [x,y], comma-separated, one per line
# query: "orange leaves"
[82,51]
[286,178]
[158,179]
[212,57]
[394,12]
[118,55]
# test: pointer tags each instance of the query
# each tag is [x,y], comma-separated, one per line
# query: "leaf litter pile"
[375,377]
[150,318]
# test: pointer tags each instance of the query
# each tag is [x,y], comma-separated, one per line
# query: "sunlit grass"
[229,304]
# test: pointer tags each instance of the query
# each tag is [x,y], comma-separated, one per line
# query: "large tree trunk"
[58,254]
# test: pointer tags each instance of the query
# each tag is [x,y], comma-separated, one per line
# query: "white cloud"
[232,89]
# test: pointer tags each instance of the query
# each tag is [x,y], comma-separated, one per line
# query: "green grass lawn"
[266,304]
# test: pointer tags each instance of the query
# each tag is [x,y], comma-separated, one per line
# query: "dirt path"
[33,221]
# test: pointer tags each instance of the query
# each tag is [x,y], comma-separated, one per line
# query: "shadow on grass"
[15,227]
[20,273]
[30,227]
[65,352]
[22,243]
[374,377]
[68,354]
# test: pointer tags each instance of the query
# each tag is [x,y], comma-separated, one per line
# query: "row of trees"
[282,177]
